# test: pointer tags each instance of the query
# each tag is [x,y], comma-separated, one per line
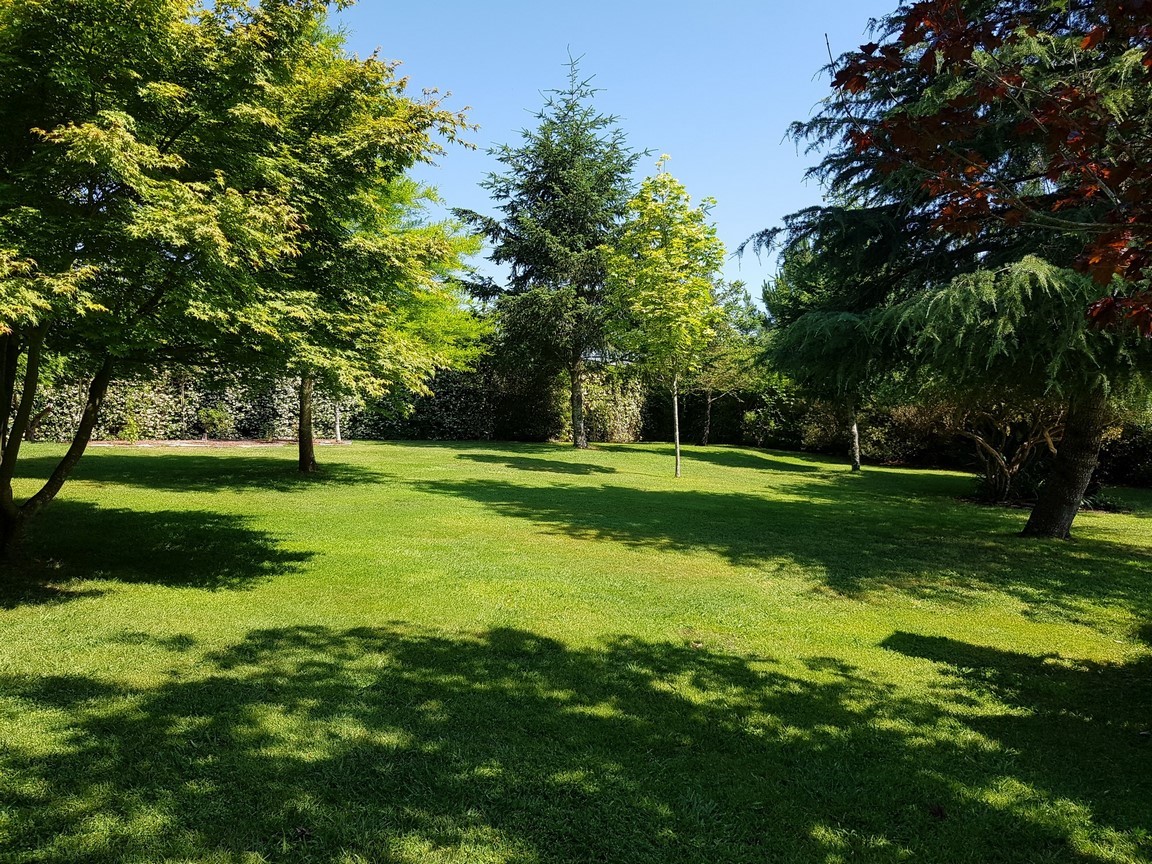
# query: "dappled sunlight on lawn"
[510,746]
[504,653]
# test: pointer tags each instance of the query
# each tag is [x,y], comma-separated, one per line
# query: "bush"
[216,422]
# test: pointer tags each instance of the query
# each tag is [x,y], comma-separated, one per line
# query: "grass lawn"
[521,653]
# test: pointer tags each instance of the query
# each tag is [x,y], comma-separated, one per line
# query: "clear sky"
[713,84]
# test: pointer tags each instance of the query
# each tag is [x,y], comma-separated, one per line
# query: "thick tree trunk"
[307,443]
[579,433]
[708,400]
[676,419]
[1076,459]
[854,432]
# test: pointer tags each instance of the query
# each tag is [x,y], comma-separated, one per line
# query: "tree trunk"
[307,443]
[1076,459]
[339,436]
[708,400]
[855,438]
[97,390]
[9,360]
[12,517]
[579,433]
[11,451]
[676,419]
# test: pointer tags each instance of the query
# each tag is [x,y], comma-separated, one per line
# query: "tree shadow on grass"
[187,472]
[857,536]
[728,457]
[759,460]
[524,463]
[1093,713]
[312,744]
[73,541]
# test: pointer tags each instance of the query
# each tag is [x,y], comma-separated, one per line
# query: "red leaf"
[1094,38]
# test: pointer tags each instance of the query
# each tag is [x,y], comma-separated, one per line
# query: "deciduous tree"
[662,274]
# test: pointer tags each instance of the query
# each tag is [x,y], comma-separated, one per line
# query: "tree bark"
[97,390]
[339,435]
[579,433]
[9,360]
[854,431]
[1076,459]
[708,400]
[13,517]
[307,443]
[676,418]
[11,451]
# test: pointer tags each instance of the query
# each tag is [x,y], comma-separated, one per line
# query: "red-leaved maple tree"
[1023,112]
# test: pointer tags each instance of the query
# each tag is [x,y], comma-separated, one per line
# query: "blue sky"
[713,84]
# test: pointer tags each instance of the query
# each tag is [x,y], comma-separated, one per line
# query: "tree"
[562,198]
[1020,333]
[1064,83]
[347,308]
[661,275]
[945,155]
[821,338]
[138,192]
[729,363]
[149,180]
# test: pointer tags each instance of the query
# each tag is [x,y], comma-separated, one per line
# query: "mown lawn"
[509,653]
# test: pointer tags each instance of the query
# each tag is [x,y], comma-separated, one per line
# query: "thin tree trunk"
[676,418]
[707,418]
[855,437]
[307,444]
[11,451]
[97,390]
[1076,459]
[339,436]
[579,433]
[9,360]
[13,518]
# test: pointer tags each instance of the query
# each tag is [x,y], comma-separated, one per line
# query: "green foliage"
[822,339]
[662,273]
[1022,330]
[216,421]
[561,196]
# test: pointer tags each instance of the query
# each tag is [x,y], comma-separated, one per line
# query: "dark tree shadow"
[856,535]
[196,472]
[1094,718]
[179,548]
[309,744]
[526,463]
[731,457]
[758,460]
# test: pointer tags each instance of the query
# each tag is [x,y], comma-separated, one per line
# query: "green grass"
[501,653]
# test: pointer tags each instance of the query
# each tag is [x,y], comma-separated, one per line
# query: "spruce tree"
[562,197]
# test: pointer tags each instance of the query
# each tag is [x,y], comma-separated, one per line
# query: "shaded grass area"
[481,653]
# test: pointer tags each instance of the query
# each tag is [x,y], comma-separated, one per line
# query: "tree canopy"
[1018,113]
[160,177]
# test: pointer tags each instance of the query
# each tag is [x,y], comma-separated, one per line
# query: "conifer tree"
[561,198]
